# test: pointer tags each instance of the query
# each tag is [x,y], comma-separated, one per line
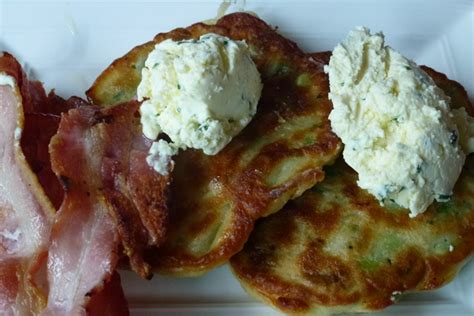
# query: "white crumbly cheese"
[201,93]
[7,80]
[159,156]
[451,248]
[396,125]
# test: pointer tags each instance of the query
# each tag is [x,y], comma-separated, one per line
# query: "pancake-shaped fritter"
[335,249]
[279,155]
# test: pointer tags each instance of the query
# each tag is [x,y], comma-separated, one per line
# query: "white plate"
[67,44]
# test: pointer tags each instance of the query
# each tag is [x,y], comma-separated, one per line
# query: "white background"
[66,44]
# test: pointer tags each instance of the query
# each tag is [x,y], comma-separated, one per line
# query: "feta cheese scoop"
[398,131]
[200,93]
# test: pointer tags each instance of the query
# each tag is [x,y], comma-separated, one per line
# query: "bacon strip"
[38,130]
[41,123]
[83,249]
[26,215]
[25,212]
[95,154]
[42,117]
[137,193]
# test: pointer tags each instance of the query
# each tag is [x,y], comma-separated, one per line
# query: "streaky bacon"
[41,123]
[113,202]
[95,153]
[42,117]
[137,193]
[147,194]
[84,241]
[26,214]
[38,130]
[23,284]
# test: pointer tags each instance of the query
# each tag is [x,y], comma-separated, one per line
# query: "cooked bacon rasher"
[26,214]
[110,205]
[102,152]
[95,154]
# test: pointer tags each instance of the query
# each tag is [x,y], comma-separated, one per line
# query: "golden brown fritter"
[335,249]
[215,200]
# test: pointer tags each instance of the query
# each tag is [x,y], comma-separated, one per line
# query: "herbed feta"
[398,131]
[200,92]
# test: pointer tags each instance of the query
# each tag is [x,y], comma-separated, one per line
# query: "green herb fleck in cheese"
[399,133]
[201,93]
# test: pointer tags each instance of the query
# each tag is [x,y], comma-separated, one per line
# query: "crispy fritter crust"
[335,249]
[216,199]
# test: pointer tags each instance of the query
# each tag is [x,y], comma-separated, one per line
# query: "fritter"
[215,200]
[336,250]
